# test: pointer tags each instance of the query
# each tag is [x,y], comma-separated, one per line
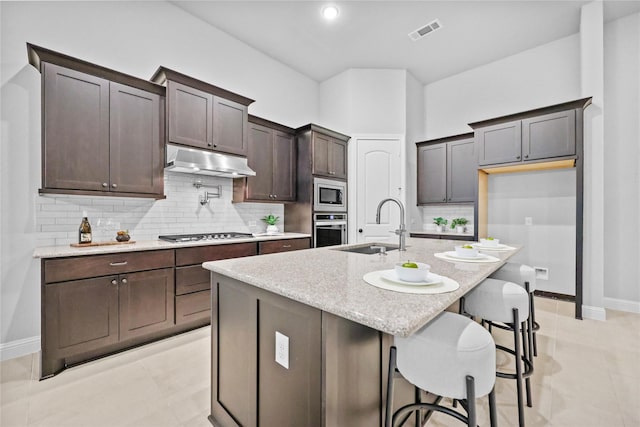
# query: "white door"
[378,176]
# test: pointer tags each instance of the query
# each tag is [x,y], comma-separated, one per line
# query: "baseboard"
[17,348]
[594,313]
[622,305]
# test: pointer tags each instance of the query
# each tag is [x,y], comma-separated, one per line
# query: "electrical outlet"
[542,273]
[282,350]
[528,220]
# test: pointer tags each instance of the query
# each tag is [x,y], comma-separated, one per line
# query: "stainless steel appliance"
[174,238]
[329,229]
[329,195]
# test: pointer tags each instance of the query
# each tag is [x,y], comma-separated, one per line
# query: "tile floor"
[587,375]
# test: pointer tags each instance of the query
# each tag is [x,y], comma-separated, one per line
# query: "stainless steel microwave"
[329,195]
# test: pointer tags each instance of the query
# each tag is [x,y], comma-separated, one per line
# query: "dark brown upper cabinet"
[272,155]
[536,138]
[447,170]
[204,116]
[102,130]
[322,152]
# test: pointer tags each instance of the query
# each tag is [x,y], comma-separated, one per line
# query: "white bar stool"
[505,305]
[452,356]
[524,276]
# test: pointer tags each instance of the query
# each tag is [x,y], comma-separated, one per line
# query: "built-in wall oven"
[329,195]
[329,229]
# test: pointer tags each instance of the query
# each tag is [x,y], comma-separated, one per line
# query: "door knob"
[359,230]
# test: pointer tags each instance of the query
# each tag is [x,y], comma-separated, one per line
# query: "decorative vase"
[460,228]
[272,229]
[441,228]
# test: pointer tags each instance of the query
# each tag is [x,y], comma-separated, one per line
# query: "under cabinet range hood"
[194,161]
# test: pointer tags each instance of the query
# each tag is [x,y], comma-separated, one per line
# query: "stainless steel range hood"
[200,162]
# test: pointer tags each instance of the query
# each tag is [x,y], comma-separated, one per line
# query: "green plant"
[440,221]
[271,219]
[458,221]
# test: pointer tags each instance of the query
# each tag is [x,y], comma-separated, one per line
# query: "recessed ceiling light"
[330,12]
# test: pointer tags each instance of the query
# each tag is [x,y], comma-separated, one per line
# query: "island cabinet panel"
[146,302]
[81,315]
[289,396]
[75,129]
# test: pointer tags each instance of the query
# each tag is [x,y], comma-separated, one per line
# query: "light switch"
[282,350]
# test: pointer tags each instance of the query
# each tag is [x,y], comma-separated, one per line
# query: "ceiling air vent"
[424,30]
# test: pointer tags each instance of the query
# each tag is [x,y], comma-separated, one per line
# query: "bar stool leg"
[471,402]
[518,355]
[526,351]
[533,324]
[493,416]
[392,369]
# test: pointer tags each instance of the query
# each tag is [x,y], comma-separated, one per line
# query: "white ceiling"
[374,34]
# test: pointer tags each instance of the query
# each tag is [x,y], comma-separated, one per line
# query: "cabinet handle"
[209,145]
[359,230]
[215,145]
[116,264]
[114,185]
[105,185]
[124,281]
[517,157]
[286,246]
[275,196]
[526,156]
[444,200]
[114,282]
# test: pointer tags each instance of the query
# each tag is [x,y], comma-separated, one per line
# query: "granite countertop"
[149,245]
[331,280]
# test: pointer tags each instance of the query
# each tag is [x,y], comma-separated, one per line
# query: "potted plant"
[441,224]
[459,224]
[271,221]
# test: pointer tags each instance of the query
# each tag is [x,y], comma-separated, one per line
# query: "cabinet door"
[500,143]
[321,154]
[80,316]
[462,170]
[284,166]
[338,159]
[190,116]
[75,130]
[136,146]
[432,173]
[260,159]
[230,127]
[551,135]
[146,302]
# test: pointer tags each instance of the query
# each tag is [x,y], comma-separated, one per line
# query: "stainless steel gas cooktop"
[205,236]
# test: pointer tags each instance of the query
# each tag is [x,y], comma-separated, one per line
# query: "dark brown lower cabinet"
[337,368]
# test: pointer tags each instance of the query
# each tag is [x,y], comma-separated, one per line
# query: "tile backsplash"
[448,212]
[58,216]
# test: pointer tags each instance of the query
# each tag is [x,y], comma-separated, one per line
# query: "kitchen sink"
[372,248]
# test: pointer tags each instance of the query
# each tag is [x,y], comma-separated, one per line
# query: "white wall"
[621,160]
[549,199]
[545,75]
[415,132]
[132,37]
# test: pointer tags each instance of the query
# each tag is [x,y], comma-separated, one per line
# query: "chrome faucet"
[401,230]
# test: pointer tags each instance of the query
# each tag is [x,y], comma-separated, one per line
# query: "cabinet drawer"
[283,245]
[200,254]
[192,307]
[192,279]
[62,269]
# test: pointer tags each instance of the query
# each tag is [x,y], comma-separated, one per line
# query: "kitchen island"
[328,329]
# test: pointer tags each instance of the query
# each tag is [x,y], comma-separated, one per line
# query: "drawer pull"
[124,281]
[286,246]
[114,282]
[117,264]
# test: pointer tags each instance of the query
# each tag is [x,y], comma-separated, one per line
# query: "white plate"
[374,278]
[391,276]
[454,254]
[497,247]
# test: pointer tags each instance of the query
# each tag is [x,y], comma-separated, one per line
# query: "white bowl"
[409,274]
[466,252]
[487,242]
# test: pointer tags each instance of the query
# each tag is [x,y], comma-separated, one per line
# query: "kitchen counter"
[331,280]
[300,337]
[148,245]
[440,234]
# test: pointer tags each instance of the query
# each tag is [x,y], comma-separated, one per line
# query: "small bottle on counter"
[84,233]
